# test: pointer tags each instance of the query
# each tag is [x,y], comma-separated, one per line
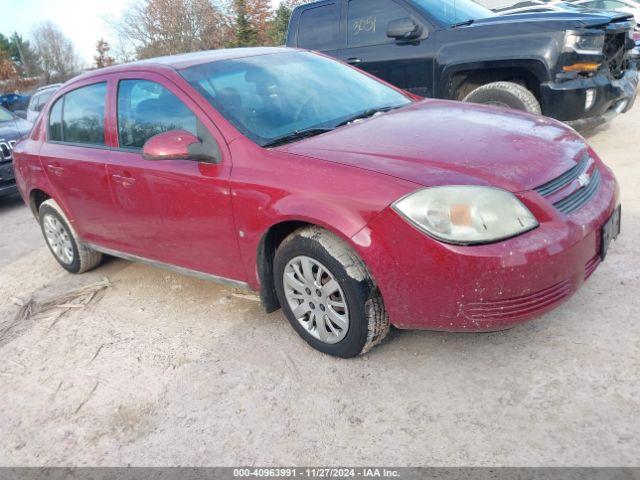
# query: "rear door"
[74,156]
[408,65]
[176,212]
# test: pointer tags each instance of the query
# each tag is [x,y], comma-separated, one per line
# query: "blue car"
[12,129]
[14,101]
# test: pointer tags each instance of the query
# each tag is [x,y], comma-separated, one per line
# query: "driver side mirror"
[21,114]
[179,145]
[403,29]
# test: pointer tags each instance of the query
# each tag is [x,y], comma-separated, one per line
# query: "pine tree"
[280,24]
[24,55]
[246,34]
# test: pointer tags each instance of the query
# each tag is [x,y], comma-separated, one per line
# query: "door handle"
[126,182]
[55,169]
[354,61]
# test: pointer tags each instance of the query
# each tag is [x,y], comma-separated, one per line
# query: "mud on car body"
[572,66]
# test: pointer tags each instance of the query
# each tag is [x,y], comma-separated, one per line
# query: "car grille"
[518,306]
[614,53]
[579,197]
[565,179]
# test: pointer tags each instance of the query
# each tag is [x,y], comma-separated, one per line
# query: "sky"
[83,21]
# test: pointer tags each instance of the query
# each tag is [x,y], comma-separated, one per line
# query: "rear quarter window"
[318,28]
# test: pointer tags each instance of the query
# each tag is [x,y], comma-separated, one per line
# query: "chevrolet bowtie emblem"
[584,180]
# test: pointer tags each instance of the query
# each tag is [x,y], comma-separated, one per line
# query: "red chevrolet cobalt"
[349,203]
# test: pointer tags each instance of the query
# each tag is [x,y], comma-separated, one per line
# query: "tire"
[330,259]
[75,257]
[507,95]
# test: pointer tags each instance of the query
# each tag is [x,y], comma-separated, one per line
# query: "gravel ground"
[161,369]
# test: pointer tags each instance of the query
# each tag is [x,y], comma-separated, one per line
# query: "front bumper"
[429,285]
[567,101]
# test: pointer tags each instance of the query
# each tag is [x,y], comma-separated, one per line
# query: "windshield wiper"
[297,135]
[366,114]
[462,24]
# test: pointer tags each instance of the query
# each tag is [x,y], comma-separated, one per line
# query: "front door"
[172,211]
[407,65]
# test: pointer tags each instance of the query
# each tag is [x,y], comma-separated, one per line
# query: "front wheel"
[328,295]
[507,95]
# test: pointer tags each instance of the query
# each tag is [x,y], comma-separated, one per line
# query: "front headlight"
[586,44]
[466,215]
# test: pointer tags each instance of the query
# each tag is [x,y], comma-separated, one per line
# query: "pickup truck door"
[408,64]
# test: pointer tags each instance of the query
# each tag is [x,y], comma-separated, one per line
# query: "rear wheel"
[506,95]
[63,242]
[328,295]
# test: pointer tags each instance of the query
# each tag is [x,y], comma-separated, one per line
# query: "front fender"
[270,188]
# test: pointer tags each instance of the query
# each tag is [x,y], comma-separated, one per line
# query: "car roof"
[48,87]
[185,60]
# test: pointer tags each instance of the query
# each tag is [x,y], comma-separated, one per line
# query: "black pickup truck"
[575,67]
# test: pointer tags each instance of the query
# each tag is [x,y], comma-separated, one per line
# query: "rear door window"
[367,21]
[318,28]
[78,116]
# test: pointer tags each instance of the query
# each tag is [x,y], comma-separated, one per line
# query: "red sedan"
[343,200]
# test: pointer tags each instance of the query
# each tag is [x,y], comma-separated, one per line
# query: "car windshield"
[277,96]
[450,12]
[5,116]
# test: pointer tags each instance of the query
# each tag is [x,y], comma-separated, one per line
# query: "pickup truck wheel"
[507,95]
[328,295]
[62,240]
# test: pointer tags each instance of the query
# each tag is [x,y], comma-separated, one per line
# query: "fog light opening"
[590,99]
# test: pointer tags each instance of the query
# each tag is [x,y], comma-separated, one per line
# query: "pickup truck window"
[368,19]
[450,12]
[318,28]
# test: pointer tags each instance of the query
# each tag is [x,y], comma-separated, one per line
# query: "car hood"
[440,142]
[586,19]
[14,129]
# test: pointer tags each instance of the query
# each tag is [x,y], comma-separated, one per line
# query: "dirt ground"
[162,369]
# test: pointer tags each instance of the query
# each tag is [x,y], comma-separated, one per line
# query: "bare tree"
[167,27]
[102,58]
[260,15]
[58,58]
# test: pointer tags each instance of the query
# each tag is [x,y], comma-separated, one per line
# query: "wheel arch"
[459,80]
[269,242]
[37,197]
